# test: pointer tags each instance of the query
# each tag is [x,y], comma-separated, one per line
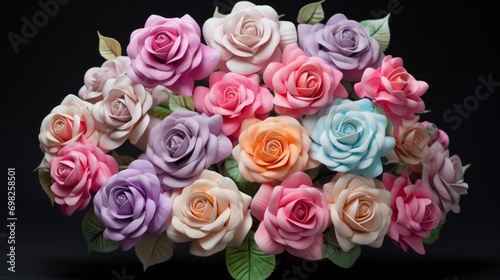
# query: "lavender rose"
[132,203]
[343,44]
[183,144]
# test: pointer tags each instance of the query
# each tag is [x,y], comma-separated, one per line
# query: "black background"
[450,45]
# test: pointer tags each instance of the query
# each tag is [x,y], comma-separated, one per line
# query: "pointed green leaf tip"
[248,261]
[153,249]
[311,13]
[93,231]
[245,186]
[333,252]
[378,29]
[46,181]
[434,236]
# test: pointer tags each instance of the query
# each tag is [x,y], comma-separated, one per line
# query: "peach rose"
[211,213]
[411,146]
[65,124]
[270,150]
[360,210]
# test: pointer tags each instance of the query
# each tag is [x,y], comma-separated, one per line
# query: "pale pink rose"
[122,114]
[95,77]
[210,213]
[438,135]
[235,97]
[169,52]
[411,146]
[249,37]
[444,174]
[414,213]
[301,84]
[293,216]
[78,168]
[270,150]
[65,124]
[360,210]
[394,89]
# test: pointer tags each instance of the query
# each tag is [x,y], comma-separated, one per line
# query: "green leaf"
[248,261]
[434,233]
[245,186]
[46,181]
[153,249]
[161,111]
[122,160]
[350,90]
[378,29]
[180,102]
[109,48]
[333,252]
[93,232]
[311,13]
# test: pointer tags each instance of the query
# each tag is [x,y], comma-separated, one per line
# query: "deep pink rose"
[169,52]
[414,214]
[444,174]
[394,89]
[235,97]
[293,216]
[78,168]
[302,84]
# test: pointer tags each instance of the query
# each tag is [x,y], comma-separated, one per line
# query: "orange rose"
[270,150]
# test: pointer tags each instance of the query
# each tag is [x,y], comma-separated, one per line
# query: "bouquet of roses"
[255,137]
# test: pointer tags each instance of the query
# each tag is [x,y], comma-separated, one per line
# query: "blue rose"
[349,136]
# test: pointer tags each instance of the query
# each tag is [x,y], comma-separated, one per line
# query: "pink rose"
[436,134]
[169,52]
[302,84]
[65,124]
[78,168]
[444,175]
[394,89]
[249,37]
[414,214]
[360,210]
[95,77]
[122,114]
[235,97]
[293,216]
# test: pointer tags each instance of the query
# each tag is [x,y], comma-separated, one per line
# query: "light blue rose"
[349,136]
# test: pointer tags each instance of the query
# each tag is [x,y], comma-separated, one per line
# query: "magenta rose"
[235,97]
[132,203]
[444,175]
[343,44]
[183,144]
[301,84]
[414,213]
[169,52]
[78,168]
[293,216]
[394,89]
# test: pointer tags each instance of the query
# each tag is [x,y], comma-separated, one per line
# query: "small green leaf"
[248,261]
[350,90]
[180,102]
[109,48]
[378,29]
[93,231]
[434,233]
[161,111]
[122,160]
[311,13]
[46,181]
[465,168]
[153,249]
[245,186]
[333,252]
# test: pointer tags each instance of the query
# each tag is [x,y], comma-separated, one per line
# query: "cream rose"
[248,38]
[360,210]
[211,213]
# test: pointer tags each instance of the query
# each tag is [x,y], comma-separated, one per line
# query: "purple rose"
[132,203]
[343,44]
[183,144]
[169,52]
